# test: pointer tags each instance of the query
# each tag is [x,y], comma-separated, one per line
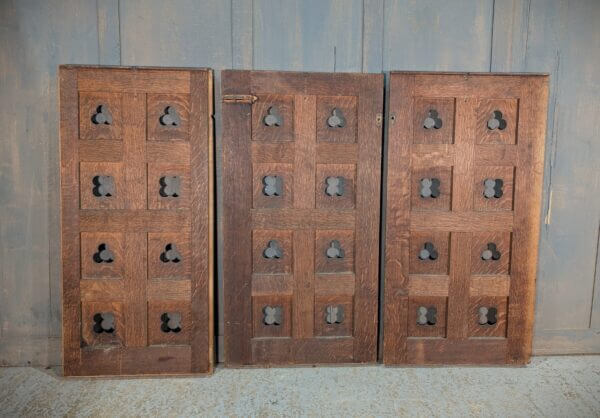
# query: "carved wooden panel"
[136,181]
[465,162]
[301,185]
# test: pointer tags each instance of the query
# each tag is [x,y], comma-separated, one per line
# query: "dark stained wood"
[302,282]
[137,223]
[510,221]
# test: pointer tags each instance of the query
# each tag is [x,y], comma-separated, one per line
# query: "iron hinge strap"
[239,98]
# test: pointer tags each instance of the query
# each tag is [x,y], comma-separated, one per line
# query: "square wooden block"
[496,196]
[333,316]
[272,316]
[100,115]
[272,185]
[431,189]
[97,329]
[497,121]
[427,316]
[169,255]
[487,316]
[168,186]
[336,119]
[273,118]
[174,329]
[102,255]
[429,253]
[335,186]
[272,251]
[168,117]
[102,185]
[433,120]
[490,253]
[334,251]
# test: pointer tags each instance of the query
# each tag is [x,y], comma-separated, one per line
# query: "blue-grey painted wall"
[556,36]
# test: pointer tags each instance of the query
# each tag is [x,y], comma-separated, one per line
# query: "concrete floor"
[549,386]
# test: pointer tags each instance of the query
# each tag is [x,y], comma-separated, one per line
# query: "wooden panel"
[307,245]
[156,286]
[482,312]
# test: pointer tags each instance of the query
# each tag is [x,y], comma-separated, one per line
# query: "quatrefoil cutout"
[426,315]
[335,186]
[170,117]
[171,322]
[104,186]
[432,121]
[104,254]
[273,118]
[272,315]
[272,186]
[496,121]
[170,186]
[337,119]
[428,252]
[491,252]
[430,187]
[334,314]
[335,250]
[273,250]
[170,254]
[493,188]
[488,315]
[102,116]
[104,322]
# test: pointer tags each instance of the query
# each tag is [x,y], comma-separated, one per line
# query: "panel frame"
[466,155]
[135,221]
[244,87]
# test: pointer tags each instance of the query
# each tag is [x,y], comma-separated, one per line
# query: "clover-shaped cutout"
[432,121]
[426,315]
[273,118]
[335,186]
[428,252]
[272,186]
[337,119]
[334,314]
[488,315]
[430,187]
[170,186]
[272,315]
[171,322]
[104,254]
[491,252]
[335,250]
[496,121]
[104,322]
[102,116]
[170,117]
[273,250]
[104,186]
[493,188]
[170,254]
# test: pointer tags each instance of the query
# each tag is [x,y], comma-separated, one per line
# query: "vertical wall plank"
[308,35]
[509,37]
[36,38]
[563,39]
[372,50]
[430,35]
[109,39]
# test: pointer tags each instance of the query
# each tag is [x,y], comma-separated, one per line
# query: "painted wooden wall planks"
[368,35]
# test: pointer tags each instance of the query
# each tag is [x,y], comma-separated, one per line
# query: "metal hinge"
[239,98]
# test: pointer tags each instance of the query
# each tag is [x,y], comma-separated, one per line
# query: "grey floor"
[549,386]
